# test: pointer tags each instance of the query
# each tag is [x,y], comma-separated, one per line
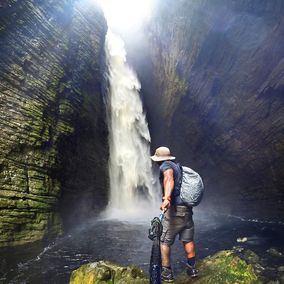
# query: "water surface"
[127,243]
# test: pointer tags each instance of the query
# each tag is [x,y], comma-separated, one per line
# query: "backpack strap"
[177,171]
[181,173]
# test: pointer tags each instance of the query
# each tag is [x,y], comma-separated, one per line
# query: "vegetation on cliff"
[50,56]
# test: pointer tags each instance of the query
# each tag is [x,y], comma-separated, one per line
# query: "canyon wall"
[212,76]
[53,140]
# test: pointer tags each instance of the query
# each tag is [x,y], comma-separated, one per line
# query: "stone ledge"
[222,267]
[107,272]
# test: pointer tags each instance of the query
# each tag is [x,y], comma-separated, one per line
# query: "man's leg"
[189,249]
[166,255]
[167,273]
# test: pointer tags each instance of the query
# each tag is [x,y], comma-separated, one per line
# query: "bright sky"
[127,15]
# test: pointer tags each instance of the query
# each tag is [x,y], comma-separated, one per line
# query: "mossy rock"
[104,272]
[223,267]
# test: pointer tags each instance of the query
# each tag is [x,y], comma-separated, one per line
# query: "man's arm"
[168,184]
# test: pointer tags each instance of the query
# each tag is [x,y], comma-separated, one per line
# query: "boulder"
[223,267]
[274,252]
[106,272]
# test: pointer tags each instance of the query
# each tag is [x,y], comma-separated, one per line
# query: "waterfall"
[132,187]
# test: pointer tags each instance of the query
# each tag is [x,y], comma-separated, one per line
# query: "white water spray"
[132,191]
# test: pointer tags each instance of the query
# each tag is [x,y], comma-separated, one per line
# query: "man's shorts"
[177,220]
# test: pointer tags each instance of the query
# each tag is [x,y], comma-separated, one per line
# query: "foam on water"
[256,220]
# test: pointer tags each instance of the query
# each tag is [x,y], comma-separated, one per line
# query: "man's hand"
[166,204]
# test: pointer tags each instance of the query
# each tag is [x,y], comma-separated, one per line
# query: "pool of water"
[127,243]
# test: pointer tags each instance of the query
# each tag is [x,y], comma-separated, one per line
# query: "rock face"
[51,113]
[213,85]
[223,267]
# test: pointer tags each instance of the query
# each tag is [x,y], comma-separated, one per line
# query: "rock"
[280,268]
[214,93]
[50,100]
[274,252]
[223,267]
[107,272]
[251,257]
[238,249]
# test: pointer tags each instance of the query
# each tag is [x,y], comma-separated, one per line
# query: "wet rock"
[107,272]
[238,249]
[251,256]
[274,252]
[40,118]
[223,267]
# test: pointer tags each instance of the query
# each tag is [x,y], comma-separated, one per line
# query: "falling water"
[132,187]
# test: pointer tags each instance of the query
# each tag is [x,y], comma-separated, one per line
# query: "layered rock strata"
[50,93]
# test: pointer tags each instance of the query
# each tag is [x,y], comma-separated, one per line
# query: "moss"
[38,182]
[64,86]
[65,108]
[223,267]
[39,124]
[44,66]
[13,178]
[14,219]
[17,213]
[10,199]
[64,128]
[107,272]
[33,228]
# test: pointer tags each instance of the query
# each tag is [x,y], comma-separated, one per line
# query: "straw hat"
[162,154]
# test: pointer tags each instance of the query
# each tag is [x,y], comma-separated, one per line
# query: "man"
[178,217]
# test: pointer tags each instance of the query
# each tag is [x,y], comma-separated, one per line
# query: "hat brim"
[159,159]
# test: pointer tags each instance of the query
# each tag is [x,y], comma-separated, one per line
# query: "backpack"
[191,187]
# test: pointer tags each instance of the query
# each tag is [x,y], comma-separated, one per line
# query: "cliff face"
[51,113]
[213,83]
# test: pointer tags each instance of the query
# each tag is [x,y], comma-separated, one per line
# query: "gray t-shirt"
[176,200]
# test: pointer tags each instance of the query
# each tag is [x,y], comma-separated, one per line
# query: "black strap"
[181,173]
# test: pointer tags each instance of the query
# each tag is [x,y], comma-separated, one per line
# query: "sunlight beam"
[127,15]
